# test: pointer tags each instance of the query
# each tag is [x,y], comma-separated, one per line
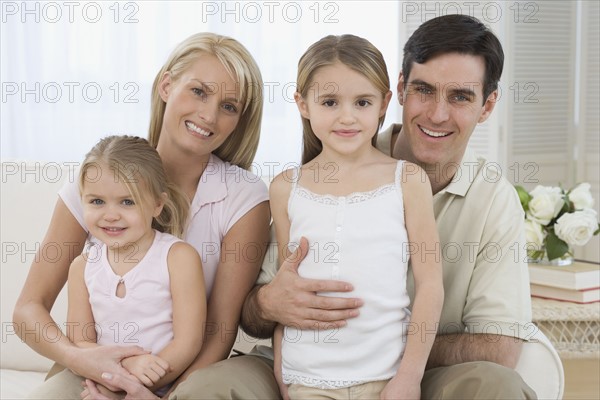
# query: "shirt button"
[339,228]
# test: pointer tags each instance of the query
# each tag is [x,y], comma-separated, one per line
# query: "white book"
[578,276]
[575,296]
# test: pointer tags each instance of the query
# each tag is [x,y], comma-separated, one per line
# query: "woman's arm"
[429,288]
[44,282]
[279,195]
[80,320]
[235,276]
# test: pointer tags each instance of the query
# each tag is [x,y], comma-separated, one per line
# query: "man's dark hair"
[456,34]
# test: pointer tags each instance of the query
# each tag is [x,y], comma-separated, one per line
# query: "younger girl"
[364,214]
[141,285]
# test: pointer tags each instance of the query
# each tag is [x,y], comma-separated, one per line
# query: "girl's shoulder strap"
[398,173]
[295,177]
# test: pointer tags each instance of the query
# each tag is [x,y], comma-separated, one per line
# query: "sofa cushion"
[18,384]
[28,197]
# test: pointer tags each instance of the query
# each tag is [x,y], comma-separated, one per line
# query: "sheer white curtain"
[73,72]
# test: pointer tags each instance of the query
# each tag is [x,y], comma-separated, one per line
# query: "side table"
[573,329]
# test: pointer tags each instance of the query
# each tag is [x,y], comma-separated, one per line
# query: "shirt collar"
[212,186]
[463,179]
[465,175]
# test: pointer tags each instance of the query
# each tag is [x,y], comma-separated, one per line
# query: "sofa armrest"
[541,368]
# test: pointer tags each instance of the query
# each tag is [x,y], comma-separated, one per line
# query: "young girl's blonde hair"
[356,53]
[134,162]
[240,147]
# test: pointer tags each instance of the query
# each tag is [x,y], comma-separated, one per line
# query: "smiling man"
[448,85]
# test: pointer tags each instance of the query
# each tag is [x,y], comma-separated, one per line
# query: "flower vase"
[540,257]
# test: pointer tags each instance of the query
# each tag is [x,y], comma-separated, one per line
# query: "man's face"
[443,102]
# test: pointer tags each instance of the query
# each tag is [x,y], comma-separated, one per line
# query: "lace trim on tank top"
[318,382]
[356,197]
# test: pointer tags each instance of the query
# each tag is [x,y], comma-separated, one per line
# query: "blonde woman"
[205,123]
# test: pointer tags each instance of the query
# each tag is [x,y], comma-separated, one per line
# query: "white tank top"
[360,238]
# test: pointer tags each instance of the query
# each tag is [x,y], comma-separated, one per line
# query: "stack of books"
[577,283]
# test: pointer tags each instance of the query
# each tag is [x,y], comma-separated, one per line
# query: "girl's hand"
[148,368]
[402,387]
[283,388]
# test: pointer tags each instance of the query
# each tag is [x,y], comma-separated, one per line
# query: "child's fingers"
[158,369]
[153,376]
[162,363]
[145,380]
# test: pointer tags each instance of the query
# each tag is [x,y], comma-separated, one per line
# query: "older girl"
[353,202]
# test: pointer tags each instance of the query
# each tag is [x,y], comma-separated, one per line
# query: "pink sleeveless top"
[144,316]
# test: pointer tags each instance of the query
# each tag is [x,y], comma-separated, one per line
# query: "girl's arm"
[236,274]
[189,317]
[429,289]
[277,361]
[44,282]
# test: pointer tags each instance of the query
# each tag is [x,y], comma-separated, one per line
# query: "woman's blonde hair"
[356,53]
[240,147]
[134,162]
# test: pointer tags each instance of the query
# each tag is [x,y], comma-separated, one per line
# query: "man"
[448,84]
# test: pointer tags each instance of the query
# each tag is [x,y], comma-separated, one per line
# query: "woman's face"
[202,107]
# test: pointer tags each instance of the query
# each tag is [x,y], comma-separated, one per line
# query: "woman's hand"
[92,362]
[134,389]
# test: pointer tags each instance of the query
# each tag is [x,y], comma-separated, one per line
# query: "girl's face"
[112,215]
[202,107]
[343,108]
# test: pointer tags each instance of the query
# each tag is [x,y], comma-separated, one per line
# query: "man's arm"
[464,347]
[293,301]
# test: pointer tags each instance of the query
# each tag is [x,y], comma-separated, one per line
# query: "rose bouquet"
[556,220]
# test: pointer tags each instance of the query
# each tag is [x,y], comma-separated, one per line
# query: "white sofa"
[28,194]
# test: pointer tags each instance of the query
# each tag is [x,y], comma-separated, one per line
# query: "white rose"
[577,228]
[581,196]
[534,235]
[545,203]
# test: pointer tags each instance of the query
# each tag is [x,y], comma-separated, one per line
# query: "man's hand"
[293,301]
[148,368]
